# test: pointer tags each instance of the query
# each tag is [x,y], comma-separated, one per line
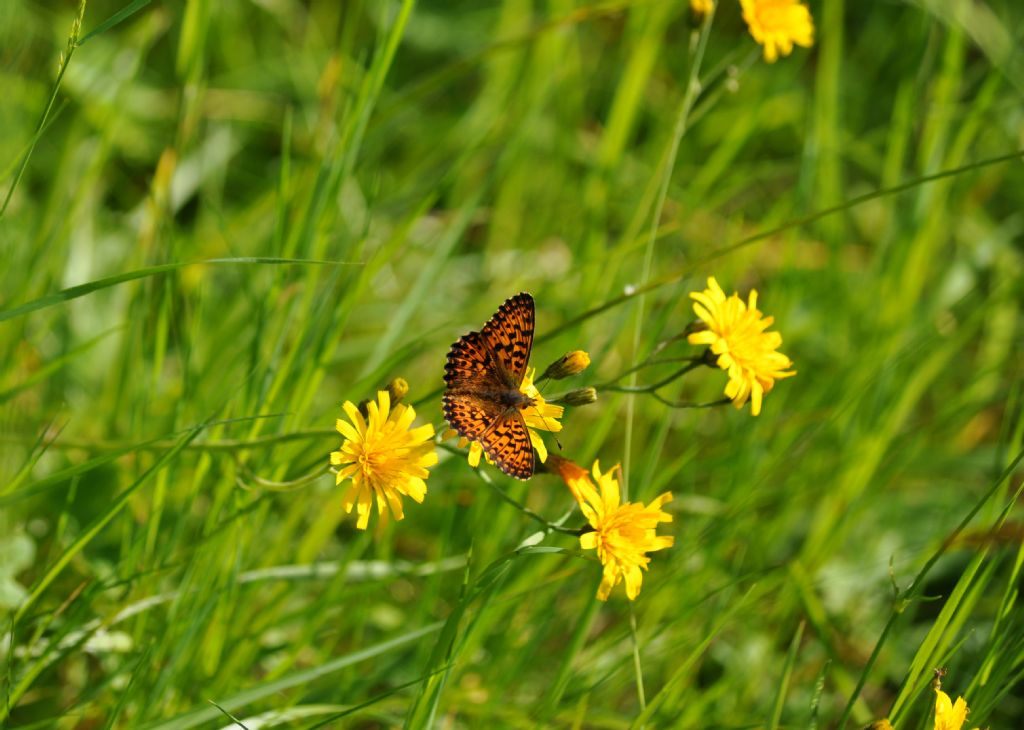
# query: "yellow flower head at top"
[949,716]
[540,416]
[383,456]
[623,532]
[778,24]
[735,331]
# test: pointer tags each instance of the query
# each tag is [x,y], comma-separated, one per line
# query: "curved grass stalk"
[65,61]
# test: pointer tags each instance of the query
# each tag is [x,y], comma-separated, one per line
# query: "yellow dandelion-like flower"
[778,24]
[623,532]
[736,333]
[383,456]
[949,715]
[541,416]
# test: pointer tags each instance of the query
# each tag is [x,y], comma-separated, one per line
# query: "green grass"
[220,220]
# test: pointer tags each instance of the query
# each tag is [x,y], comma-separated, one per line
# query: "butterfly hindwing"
[470,415]
[509,446]
[509,335]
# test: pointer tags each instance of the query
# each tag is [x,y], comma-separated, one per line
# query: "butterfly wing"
[470,415]
[481,368]
[508,444]
[469,374]
[470,365]
[509,336]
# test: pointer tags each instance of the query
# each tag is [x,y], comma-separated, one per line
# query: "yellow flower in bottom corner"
[623,532]
[383,456]
[949,715]
[778,24]
[735,331]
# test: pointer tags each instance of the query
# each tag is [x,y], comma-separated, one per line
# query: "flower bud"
[578,397]
[567,469]
[570,364]
[397,389]
[699,10]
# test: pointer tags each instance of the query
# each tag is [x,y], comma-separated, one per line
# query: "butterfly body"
[511,399]
[483,401]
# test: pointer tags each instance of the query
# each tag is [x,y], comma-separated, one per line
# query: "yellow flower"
[736,333]
[383,457]
[622,532]
[778,24]
[949,716]
[541,415]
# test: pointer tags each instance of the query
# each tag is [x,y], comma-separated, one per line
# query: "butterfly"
[482,400]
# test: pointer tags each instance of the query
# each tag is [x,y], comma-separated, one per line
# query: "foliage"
[222,220]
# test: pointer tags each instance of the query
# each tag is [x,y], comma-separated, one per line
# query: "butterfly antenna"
[548,425]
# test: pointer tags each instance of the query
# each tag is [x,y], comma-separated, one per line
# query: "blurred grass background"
[424,161]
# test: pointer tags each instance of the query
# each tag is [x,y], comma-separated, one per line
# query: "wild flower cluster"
[501,416]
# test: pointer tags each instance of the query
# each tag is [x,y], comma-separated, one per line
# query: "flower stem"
[551,526]
[653,386]
[693,89]
[689,404]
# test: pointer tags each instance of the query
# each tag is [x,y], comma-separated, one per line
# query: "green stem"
[76,28]
[693,88]
[653,386]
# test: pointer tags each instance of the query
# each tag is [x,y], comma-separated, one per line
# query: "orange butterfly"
[482,400]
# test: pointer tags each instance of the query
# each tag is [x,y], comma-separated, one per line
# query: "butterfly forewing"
[509,335]
[470,365]
[483,374]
